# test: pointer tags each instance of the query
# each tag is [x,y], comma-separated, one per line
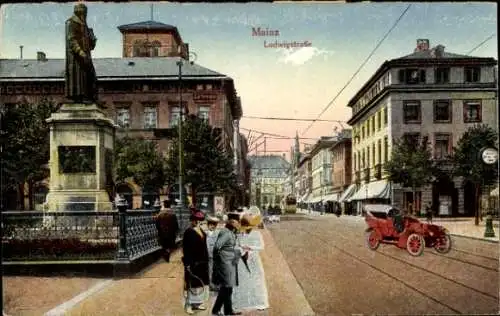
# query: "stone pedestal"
[81,159]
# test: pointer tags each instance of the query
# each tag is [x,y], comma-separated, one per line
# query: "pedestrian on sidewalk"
[428,212]
[212,234]
[226,255]
[195,260]
[168,227]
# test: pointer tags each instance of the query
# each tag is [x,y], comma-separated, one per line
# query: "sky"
[272,82]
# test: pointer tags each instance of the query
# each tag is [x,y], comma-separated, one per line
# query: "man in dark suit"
[168,227]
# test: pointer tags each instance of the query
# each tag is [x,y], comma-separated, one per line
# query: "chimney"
[21,49]
[439,51]
[422,45]
[40,56]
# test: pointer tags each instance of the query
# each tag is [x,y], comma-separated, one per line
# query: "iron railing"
[81,236]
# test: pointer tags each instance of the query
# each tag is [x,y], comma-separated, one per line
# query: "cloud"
[302,55]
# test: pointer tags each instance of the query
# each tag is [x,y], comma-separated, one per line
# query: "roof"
[420,58]
[127,68]
[147,25]
[270,166]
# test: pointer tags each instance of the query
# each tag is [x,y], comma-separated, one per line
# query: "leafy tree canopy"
[466,155]
[140,160]
[411,163]
[25,141]
[206,165]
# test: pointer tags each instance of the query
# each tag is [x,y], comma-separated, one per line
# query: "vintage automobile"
[387,224]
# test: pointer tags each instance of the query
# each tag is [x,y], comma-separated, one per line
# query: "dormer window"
[411,76]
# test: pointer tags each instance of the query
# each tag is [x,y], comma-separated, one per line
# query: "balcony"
[366,175]
[378,171]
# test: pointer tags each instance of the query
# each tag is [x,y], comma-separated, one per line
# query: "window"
[442,146]
[362,132]
[174,115]
[412,76]
[379,151]
[123,117]
[379,121]
[411,112]
[386,149]
[367,127]
[155,49]
[385,116]
[442,75]
[150,117]
[199,87]
[373,124]
[208,87]
[442,111]
[373,154]
[472,111]
[412,138]
[203,112]
[368,157]
[472,74]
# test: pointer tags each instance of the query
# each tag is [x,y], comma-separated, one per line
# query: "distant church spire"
[297,149]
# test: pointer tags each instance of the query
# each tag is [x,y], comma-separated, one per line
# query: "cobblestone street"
[350,279]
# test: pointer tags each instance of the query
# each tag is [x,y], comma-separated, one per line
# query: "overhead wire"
[290,119]
[360,67]
[481,44]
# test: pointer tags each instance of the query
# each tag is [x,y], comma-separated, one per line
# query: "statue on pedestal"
[80,76]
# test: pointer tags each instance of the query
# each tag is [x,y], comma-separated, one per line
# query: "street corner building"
[145,91]
[430,93]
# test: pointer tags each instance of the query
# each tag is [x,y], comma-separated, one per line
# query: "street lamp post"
[180,63]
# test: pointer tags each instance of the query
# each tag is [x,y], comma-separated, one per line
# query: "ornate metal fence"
[78,236]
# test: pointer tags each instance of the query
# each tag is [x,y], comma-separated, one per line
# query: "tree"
[411,164]
[468,164]
[206,165]
[139,159]
[26,146]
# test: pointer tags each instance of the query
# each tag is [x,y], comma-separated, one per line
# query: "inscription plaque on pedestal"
[77,159]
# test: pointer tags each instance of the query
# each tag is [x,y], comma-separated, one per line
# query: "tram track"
[420,268]
[374,267]
[486,296]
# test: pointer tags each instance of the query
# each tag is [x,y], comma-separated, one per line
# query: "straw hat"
[248,221]
[212,219]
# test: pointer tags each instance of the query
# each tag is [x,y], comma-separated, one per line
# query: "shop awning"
[331,198]
[373,190]
[315,199]
[494,192]
[347,193]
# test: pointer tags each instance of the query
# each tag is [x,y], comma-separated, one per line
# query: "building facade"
[141,90]
[341,163]
[304,186]
[430,93]
[321,165]
[268,173]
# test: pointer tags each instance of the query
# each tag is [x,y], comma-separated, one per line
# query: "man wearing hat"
[168,227]
[226,255]
[195,259]
[212,234]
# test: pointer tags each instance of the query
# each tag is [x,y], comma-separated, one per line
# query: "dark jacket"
[195,252]
[168,227]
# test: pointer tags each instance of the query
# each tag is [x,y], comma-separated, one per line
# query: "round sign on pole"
[489,155]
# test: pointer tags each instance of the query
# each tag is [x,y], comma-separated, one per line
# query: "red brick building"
[141,90]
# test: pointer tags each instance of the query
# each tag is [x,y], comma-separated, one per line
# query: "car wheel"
[372,240]
[415,244]
[443,244]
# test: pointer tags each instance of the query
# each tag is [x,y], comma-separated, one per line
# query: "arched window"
[155,49]
[141,48]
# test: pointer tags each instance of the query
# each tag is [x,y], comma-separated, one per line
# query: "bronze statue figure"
[80,76]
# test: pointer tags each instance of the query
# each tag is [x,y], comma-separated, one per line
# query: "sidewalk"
[155,291]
